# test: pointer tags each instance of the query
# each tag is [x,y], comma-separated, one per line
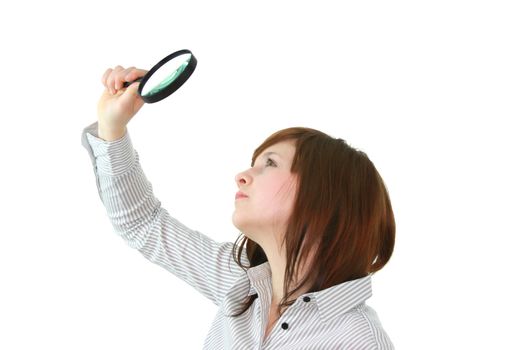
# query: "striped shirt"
[333,318]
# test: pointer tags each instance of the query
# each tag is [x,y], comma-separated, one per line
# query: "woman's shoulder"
[365,319]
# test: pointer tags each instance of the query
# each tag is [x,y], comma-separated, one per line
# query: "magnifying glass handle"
[127,83]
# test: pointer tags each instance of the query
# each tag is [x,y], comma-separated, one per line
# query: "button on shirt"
[334,318]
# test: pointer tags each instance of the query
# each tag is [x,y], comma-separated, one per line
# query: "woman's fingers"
[134,74]
[113,79]
[110,79]
[120,78]
[105,76]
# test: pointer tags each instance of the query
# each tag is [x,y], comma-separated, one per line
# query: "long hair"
[342,215]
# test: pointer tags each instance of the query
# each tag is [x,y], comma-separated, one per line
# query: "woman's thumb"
[132,90]
[131,93]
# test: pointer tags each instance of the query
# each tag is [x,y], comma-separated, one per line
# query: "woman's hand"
[118,105]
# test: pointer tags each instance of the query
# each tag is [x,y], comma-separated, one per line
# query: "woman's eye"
[270,162]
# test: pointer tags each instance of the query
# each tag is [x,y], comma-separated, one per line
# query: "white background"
[433,92]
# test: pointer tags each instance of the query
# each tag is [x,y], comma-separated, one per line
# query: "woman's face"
[270,189]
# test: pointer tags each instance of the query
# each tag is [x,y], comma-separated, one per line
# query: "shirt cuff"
[112,158]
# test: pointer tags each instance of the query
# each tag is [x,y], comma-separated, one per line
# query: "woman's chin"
[237,221]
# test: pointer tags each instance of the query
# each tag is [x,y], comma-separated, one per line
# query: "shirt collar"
[331,302]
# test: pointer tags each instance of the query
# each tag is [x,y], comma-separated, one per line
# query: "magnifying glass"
[166,76]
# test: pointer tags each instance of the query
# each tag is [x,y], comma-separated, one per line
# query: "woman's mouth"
[240,195]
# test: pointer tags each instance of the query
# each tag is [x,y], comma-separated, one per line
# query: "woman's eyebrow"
[270,153]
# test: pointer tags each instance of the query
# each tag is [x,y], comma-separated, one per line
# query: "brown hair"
[342,210]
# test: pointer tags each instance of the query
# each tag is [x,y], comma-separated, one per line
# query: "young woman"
[315,219]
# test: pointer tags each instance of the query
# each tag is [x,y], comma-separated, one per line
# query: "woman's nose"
[242,179]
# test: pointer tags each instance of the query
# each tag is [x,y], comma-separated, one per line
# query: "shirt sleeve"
[139,218]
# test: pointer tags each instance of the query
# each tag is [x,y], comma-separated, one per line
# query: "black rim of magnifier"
[181,79]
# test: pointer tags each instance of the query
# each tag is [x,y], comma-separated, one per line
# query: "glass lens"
[166,74]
